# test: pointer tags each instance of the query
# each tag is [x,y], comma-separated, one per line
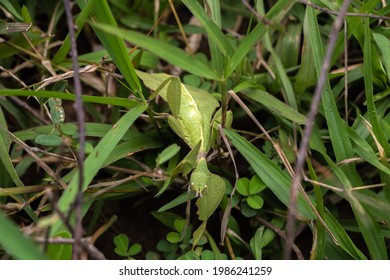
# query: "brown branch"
[301,157]
[85,243]
[282,234]
[78,106]
[258,16]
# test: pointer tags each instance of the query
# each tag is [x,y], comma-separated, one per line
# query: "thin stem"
[301,157]
[78,106]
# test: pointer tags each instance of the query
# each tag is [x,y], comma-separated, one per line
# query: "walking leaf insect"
[191,118]
[57,116]
[192,113]
[57,113]
[193,127]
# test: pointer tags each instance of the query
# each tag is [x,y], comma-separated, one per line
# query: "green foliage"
[123,247]
[250,190]
[155,114]
[48,140]
[60,251]
[17,245]
[167,154]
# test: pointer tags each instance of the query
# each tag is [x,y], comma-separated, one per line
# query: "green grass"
[271,59]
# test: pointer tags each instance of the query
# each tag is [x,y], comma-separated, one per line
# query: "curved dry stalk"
[228,209]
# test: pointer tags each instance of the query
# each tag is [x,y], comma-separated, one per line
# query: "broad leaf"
[204,100]
[211,198]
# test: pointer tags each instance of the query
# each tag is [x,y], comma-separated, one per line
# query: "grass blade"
[364,150]
[276,179]
[384,46]
[342,237]
[368,226]
[280,71]
[163,50]
[117,101]
[215,34]
[217,57]
[277,11]
[341,143]
[4,148]
[15,243]
[81,19]
[384,150]
[96,160]
[114,45]
[272,103]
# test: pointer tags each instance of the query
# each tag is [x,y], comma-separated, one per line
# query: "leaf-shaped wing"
[211,197]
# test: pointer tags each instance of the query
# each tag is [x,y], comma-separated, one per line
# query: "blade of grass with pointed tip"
[115,46]
[355,27]
[282,76]
[272,103]
[169,53]
[173,163]
[342,237]
[96,160]
[214,33]
[177,201]
[244,48]
[305,77]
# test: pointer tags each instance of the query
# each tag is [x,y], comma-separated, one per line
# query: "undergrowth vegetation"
[215,129]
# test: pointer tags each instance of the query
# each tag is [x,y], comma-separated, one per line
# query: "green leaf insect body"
[199,177]
[193,127]
[194,120]
[57,113]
